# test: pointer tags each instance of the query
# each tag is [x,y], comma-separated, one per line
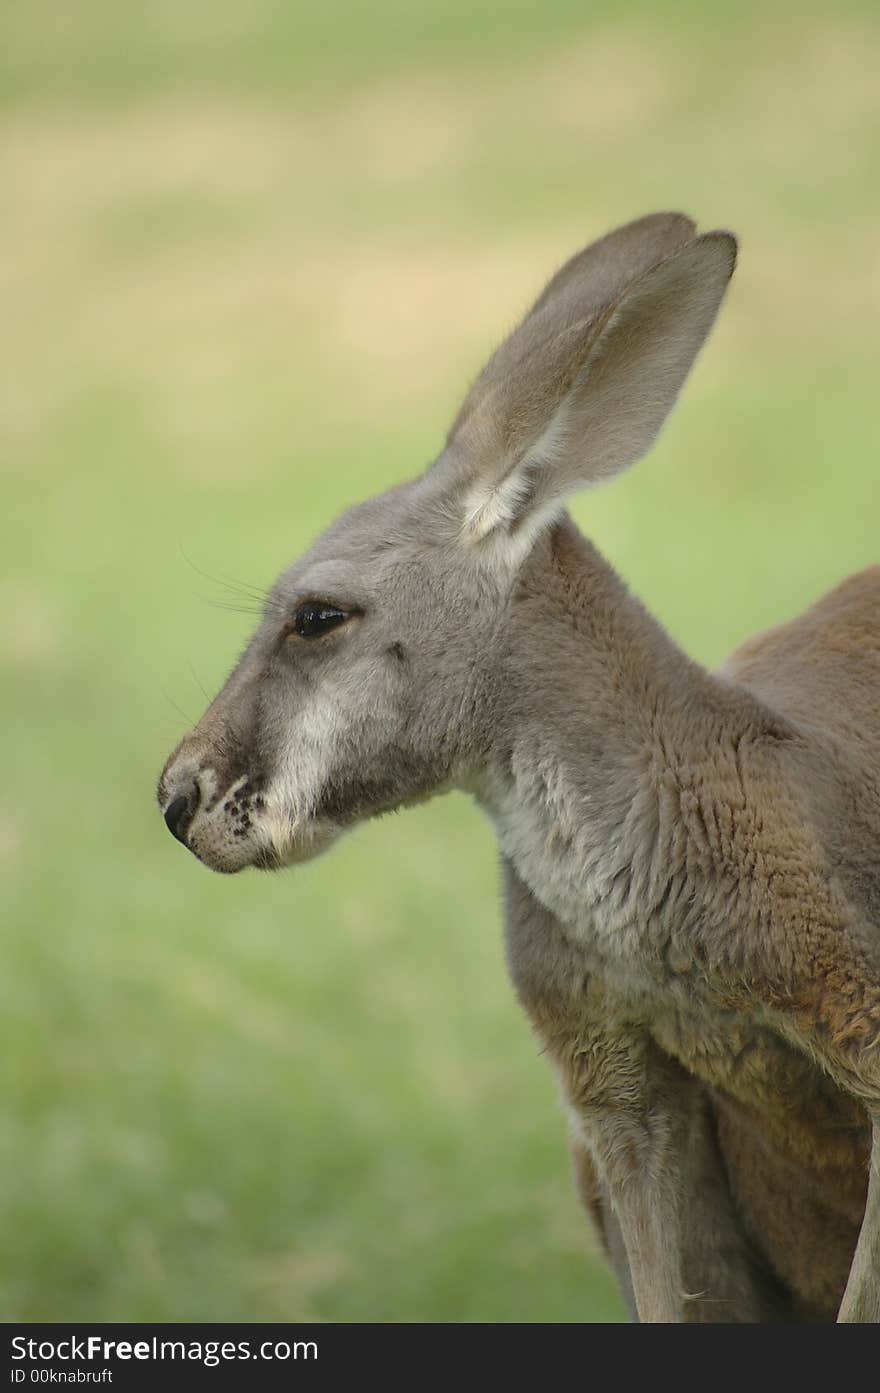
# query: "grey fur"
[693,881]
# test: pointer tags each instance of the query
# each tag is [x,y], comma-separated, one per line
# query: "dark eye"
[315,618]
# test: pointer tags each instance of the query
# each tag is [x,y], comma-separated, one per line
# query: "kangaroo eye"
[315,618]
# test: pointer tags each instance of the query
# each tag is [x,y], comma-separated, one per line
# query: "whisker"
[254,592]
[232,584]
[198,681]
[276,610]
[231,607]
[179,709]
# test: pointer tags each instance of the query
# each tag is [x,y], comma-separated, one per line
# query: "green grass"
[250,257]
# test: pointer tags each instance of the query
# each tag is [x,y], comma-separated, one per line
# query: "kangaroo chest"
[581,998]
[585,961]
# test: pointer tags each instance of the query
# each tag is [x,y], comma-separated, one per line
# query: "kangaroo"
[691,859]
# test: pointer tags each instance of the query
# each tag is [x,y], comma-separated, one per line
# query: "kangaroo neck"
[599,710]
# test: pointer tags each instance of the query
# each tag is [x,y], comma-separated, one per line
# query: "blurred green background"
[251,253]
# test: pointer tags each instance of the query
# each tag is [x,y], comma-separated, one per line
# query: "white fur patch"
[497,511]
[568,860]
[288,821]
[489,506]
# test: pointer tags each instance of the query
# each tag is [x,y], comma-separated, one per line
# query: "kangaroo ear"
[581,389]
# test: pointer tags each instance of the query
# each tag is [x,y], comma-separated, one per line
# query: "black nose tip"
[178,817]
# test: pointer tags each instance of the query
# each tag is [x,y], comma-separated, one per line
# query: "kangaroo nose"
[179,813]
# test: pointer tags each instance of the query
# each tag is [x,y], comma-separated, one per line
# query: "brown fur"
[787,975]
[693,879]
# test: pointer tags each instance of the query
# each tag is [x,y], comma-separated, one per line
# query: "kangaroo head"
[376,674]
